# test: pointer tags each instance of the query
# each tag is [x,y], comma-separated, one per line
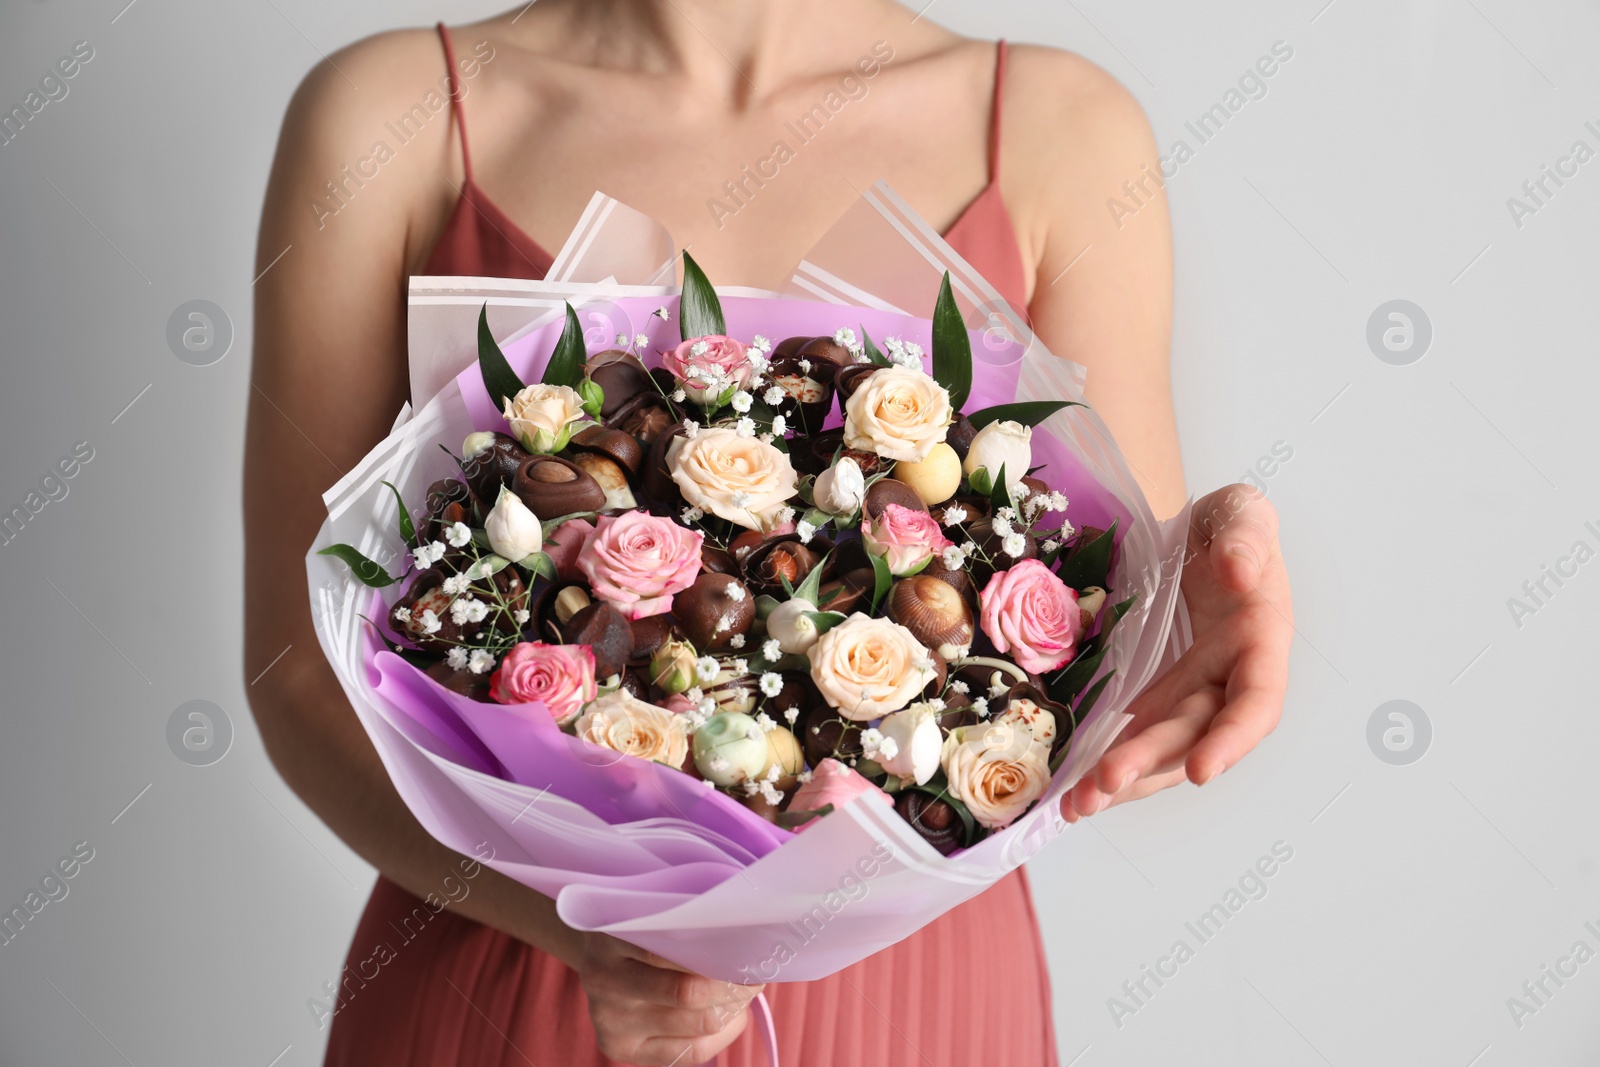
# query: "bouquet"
[760,654]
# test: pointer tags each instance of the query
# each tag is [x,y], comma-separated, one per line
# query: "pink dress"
[969,988]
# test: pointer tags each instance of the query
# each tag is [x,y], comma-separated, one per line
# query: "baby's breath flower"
[1014,545]
[479,661]
[771,683]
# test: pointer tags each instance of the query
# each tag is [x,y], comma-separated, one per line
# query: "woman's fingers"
[1157,750]
[1254,705]
[1241,527]
[665,1051]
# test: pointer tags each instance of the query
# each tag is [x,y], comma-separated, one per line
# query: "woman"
[658,103]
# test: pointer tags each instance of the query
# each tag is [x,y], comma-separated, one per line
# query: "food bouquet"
[760,633]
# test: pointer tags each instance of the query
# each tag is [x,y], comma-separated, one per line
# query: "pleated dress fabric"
[969,989]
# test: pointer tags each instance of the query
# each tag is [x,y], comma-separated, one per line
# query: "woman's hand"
[650,1012]
[1225,694]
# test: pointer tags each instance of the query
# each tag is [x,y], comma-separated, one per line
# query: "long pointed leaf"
[498,377]
[366,571]
[1027,412]
[567,361]
[1090,564]
[407,529]
[700,312]
[952,347]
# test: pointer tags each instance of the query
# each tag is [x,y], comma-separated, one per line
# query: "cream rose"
[996,769]
[741,479]
[869,667]
[542,416]
[898,413]
[624,723]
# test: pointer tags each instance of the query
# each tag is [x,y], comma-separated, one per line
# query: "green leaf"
[872,350]
[498,377]
[1089,564]
[699,312]
[1027,412]
[952,347]
[407,530]
[366,571]
[1081,671]
[882,579]
[788,820]
[548,526]
[484,566]
[1000,492]
[540,565]
[824,620]
[566,362]
[811,587]
[980,481]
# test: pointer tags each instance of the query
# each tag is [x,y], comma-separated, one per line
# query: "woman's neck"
[735,49]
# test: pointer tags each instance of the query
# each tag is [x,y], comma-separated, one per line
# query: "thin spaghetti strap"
[994,119]
[455,100]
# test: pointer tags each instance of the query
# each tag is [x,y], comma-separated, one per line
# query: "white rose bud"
[1001,444]
[476,443]
[730,748]
[792,627]
[918,742]
[514,531]
[841,488]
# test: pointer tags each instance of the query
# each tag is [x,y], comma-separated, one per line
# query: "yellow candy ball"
[934,479]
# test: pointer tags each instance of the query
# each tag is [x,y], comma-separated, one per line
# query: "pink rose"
[907,538]
[709,368]
[1032,615]
[564,544]
[637,561]
[831,783]
[562,676]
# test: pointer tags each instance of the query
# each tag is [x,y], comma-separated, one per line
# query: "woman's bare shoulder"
[1054,92]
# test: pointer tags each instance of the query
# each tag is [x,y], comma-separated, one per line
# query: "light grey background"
[1418,500]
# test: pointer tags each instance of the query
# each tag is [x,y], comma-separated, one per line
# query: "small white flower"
[785,516]
[429,622]
[774,395]
[968,548]
[1050,545]
[764,438]
[741,666]
[717,764]
[695,694]
[457,534]
[805,366]
[791,714]
[640,340]
[402,614]
[844,335]
[521,616]
[767,724]
[1058,502]
[954,515]
[958,686]
[806,532]
[771,651]
[480,661]
[427,555]
[736,593]
[622,340]
[692,514]
[804,776]
[871,738]
[771,683]
[706,669]
[742,401]
[455,585]
[707,707]
[760,343]
[660,313]
[888,749]
[745,427]
[736,641]
[758,360]
[1001,526]
[980,707]
[952,558]
[698,348]
[1014,545]
[679,396]
[780,425]
[1008,514]
[742,500]
[690,428]
[468,609]
[922,663]
[457,658]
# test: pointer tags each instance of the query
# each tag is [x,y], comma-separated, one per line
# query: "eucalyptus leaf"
[699,312]
[567,361]
[366,571]
[407,530]
[952,347]
[1027,412]
[1088,564]
[498,377]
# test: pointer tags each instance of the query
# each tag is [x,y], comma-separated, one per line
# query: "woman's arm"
[1103,298]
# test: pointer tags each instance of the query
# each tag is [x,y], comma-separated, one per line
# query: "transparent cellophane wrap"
[636,849]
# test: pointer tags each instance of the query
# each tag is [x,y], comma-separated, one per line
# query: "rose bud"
[489,461]
[605,630]
[514,532]
[934,819]
[712,611]
[1002,444]
[672,668]
[620,375]
[783,752]
[841,489]
[730,749]
[553,487]
[917,742]
[610,477]
[791,626]
[543,417]
[935,613]
[935,478]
